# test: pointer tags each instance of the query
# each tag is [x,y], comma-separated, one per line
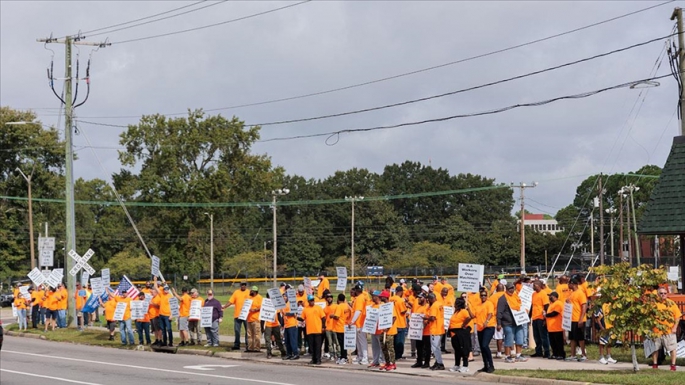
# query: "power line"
[336,134]
[163,18]
[212,25]
[510,48]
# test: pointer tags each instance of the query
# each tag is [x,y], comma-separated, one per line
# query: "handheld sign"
[267,312]
[55,278]
[245,310]
[119,311]
[96,286]
[292,299]
[566,317]
[526,295]
[195,310]
[36,277]
[155,266]
[24,290]
[342,278]
[137,310]
[448,312]
[105,277]
[520,317]
[350,337]
[680,349]
[276,298]
[371,320]
[206,317]
[385,313]
[15,314]
[84,278]
[307,285]
[415,326]
[46,274]
[173,304]
[470,277]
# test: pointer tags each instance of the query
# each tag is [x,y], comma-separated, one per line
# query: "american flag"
[125,286]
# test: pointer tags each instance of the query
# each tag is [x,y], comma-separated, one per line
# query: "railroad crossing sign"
[81,262]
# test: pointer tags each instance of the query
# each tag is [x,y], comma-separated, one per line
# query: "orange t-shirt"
[110,306]
[437,326]
[20,302]
[290,320]
[554,323]
[482,312]
[80,301]
[538,305]
[675,311]
[37,297]
[63,299]
[253,315]
[153,310]
[578,299]
[401,307]
[423,310]
[393,329]
[312,316]
[237,299]
[458,319]
[495,297]
[359,304]
[127,312]
[51,300]
[563,291]
[274,323]
[164,306]
[343,312]
[330,310]
[184,306]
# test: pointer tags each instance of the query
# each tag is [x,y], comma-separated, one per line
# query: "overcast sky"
[319,46]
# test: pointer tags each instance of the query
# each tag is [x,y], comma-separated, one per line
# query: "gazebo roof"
[665,212]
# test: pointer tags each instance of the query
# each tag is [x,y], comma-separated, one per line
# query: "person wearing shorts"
[183,313]
[578,318]
[110,306]
[513,334]
[668,339]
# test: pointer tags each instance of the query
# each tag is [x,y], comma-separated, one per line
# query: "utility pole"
[275,194]
[601,222]
[620,226]
[678,16]
[28,181]
[352,199]
[211,250]
[522,187]
[68,102]
[611,211]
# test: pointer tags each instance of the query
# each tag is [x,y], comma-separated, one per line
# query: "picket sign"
[206,317]
[371,321]
[267,312]
[520,317]
[415,326]
[276,298]
[137,309]
[350,337]
[448,311]
[470,277]
[195,310]
[36,277]
[173,304]
[342,278]
[566,317]
[245,310]
[292,299]
[119,311]
[385,313]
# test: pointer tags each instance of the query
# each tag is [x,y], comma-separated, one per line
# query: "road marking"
[146,368]
[49,377]
[208,367]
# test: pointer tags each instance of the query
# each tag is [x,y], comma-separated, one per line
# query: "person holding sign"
[196,302]
[553,316]
[389,336]
[254,326]
[125,327]
[401,322]
[21,304]
[578,318]
[143,324]
[290,332]
[183,313]
[513,334]
[435,322]
[110,306]
[217,316]
[50,301]
[340,317]
[331,337]
[273,328]
[79,300]
[376,349]
[539,304]
[460,333]
[423,354]
[315,323]
[237,299]
[165,314]
[358,318]
[323,285]
[36,304]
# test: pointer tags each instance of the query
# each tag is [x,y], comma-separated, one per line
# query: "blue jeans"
[484,338]
[541,337]
[126,331]
[143,329]
[21,318]
[291,341]
[165,326]
[62,318]
[513,335]
[236,329]
[399,342]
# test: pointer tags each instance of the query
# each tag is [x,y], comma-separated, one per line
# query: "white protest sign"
[520,317]
[105,278]
[245,310]
[342,278]
[173,304]
[566,317]
[322,305]
[155,266]
[96,286]
[350,337]
[15,314]
[119,311]
[447,311]
[526,295]
[24,290]
[470,277]
[680,349]
[267,312]
[415,326]
[36,277]
[195,310]
[371,320]
[46,258]
[206,317]
[307,285]
[46,274]
[55,278]
[276,298]
[137,310]
[385,313]
[84,278]
[292,299]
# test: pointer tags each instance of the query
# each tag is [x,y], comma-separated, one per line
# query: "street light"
[28,181]
[274,195]
[211,250]
[611,211]
[630,189]
[353,199]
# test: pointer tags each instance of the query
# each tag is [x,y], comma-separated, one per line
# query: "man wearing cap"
[237,299]
[389,336]
[217,316]
[357,319]
[79,301]
[254,328]
[513,334]
[376,337]
[183,313]
[423,346]
[290,332]
[540,303]
[342,314]
[578,319]
[302,340]
[315,323]
[323,285]
[553,317]
[401,322]
[436,324]
[331,337]
[194,323]
[165,295]
[63,296]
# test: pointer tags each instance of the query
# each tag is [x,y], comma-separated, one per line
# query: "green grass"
[87,337]
[624,377]
[621,354]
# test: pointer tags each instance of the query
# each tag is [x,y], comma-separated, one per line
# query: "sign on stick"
[470,277]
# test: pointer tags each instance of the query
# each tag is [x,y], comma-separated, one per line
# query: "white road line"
[49,377]
[147,368]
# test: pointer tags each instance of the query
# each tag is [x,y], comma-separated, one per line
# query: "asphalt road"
[25,361]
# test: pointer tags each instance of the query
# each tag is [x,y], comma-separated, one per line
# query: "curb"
[195,352]
[25,335]
[524,380]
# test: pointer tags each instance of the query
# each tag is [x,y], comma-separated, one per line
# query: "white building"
[537,222]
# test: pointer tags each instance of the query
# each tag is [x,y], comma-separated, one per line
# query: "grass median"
[623,377]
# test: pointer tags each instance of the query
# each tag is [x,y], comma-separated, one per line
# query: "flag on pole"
[125,286]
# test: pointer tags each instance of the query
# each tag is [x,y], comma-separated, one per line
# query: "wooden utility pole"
[601,222]
[523,186]
[678,16]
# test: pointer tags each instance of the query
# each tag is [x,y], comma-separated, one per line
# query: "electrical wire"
[211,25]
[426,69]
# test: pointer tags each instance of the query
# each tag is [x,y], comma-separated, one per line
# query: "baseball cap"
[300,288]
[500,276]
[425,288]
[376,293]
[310,297]
[166,287]
[385,294]
[503,282]
[510,286]
[402,280]
[554,294]
[254,288]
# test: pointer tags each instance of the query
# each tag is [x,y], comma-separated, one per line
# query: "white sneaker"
[326,355]
[578,351]
[342,361]
[603,361]
[364,362]
[463,370]
[455,369]
[582,359]
[499,355]
[611,360]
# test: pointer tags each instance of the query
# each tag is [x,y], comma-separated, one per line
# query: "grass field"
[628,377]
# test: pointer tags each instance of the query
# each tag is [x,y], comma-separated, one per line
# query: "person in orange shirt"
[165,295]
[50,301]
[36,304]
[376,346]
[357,319]
[667,340]
[79,300]
[423,346]
[401,335]
[578,318]
[183,313]
[194,323]
[436,325]
[485,323]
[110,306]
[324,285]
[237,299]
[62,301]
[389,334]
[290,332]
[153,312]
[143,324]
[125,325]
[254,327]
[553,316]
[460,332]
[331,337]
[540,302]
[273,328]
[340,317]
[20,303]
[499,332]
[315,323]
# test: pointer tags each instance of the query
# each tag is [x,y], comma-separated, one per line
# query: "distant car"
[6,299]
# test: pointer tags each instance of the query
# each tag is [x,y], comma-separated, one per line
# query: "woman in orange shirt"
[50,303]
[460,331]
[21,305]
[143,324]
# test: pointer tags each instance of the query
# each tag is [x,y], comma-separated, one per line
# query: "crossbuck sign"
[81,262]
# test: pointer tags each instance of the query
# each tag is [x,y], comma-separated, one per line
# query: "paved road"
[25,361]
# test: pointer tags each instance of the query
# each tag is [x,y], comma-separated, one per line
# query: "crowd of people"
[317,328]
